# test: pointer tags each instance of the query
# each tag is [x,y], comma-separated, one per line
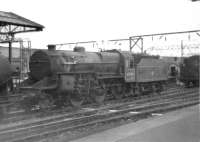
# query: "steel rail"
[92,112]
[21,115]
[148,110]
[140,100]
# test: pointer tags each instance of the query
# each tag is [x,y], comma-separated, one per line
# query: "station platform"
[177,126]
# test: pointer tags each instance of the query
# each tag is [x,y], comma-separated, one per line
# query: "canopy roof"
[11,23]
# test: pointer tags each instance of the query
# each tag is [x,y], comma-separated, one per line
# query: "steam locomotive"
[189,71]
[74,77]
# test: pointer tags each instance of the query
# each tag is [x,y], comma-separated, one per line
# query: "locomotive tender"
[79,76]
[189,71]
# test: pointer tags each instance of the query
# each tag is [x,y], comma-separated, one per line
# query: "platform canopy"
[11,24]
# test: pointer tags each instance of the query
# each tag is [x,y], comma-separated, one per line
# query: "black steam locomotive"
[189,71]
[74,77]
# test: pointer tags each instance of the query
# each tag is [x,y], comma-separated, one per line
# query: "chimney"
[51,47]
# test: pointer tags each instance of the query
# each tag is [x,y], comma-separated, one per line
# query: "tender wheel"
[160,88]
[154,89]
[137,90]
[76,99]
[118,92]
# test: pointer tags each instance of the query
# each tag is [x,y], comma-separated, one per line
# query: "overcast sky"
[85,20]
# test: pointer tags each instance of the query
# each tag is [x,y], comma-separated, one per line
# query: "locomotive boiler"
[78,76]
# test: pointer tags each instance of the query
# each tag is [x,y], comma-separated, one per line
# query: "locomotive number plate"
[130,75]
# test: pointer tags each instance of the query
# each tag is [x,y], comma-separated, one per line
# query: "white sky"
[85,20]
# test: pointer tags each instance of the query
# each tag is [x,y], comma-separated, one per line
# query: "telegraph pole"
[182,50]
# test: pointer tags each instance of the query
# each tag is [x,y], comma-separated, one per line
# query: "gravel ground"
[82,132]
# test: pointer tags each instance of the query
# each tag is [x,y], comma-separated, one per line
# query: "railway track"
[54,126]
[20,115]
[60,114]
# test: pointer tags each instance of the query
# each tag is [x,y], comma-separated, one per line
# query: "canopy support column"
[10,51]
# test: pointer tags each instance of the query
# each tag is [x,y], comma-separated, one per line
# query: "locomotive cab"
[173,72]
